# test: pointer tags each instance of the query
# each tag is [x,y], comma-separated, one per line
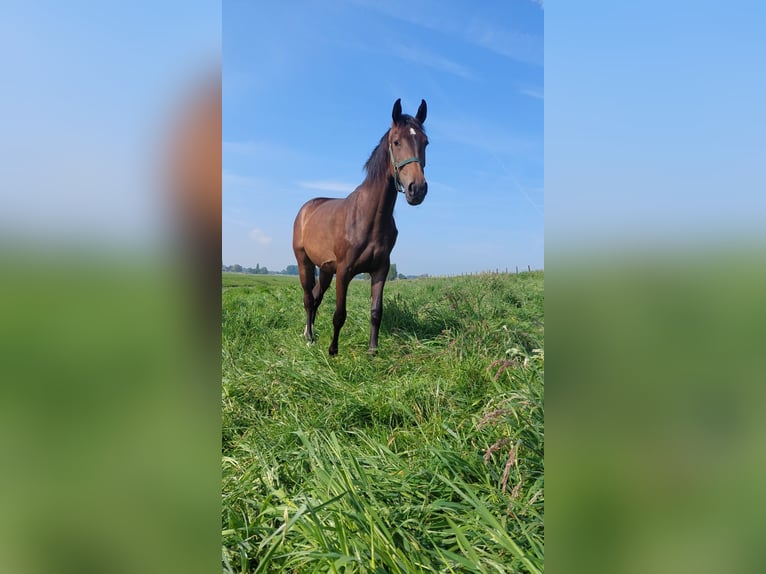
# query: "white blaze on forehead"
[412,131]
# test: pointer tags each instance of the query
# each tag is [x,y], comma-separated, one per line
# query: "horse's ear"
[396,114]
[421,115]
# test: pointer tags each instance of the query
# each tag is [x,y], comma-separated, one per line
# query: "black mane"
[378,162]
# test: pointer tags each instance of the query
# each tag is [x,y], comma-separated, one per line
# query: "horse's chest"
[378,250]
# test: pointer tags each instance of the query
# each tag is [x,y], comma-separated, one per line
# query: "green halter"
[401,164]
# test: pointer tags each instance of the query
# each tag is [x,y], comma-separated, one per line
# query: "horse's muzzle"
[416,192]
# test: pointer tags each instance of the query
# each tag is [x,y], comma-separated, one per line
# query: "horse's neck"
[376,201]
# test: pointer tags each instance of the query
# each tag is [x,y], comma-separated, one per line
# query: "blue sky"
[308,89]
[654,119]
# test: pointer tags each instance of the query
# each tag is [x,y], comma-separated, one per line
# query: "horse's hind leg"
[306,273]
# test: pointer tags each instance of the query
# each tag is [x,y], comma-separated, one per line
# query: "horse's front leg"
[377,281]
[339,318]
[325,278]
[306,273]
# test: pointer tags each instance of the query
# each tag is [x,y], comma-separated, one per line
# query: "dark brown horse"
[356,234]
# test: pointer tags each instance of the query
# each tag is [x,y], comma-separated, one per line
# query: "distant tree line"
[258,270]
[293,270]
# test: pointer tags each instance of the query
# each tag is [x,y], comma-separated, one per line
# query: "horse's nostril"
[418,188]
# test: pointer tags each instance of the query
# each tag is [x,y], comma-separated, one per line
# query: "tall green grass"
[427,457]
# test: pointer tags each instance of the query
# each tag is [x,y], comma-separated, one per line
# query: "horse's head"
[407,150]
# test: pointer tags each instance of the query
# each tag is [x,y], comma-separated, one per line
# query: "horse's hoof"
[333,352]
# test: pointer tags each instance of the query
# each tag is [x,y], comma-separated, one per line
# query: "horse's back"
[307,212]
[312,205]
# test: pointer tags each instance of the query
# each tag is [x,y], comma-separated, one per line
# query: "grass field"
[427,457]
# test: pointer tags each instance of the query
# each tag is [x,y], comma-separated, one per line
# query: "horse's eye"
[396,142]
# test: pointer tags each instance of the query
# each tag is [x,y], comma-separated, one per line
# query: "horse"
[352,235]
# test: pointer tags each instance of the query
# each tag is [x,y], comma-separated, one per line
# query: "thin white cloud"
[329,185]
[259,236]
[532,93]
[509,43]
[431,60]
[473,29]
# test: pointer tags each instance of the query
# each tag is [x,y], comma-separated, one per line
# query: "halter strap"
[401,164]
[406,161]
